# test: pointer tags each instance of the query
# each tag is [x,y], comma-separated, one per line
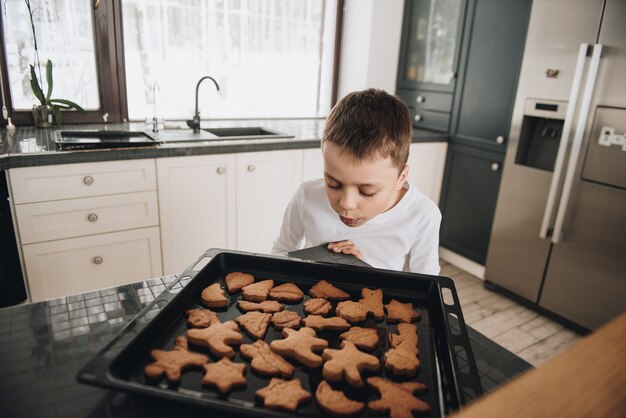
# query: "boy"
[364,205]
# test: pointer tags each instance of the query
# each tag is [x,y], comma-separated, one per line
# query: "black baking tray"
[120,364]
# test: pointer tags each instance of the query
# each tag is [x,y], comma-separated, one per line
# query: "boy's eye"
[367,194]
[333,185]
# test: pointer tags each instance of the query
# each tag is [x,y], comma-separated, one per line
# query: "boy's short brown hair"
[371,124]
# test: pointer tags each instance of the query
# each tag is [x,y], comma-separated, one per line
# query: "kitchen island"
[44,345]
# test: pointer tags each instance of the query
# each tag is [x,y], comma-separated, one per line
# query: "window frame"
[110,67]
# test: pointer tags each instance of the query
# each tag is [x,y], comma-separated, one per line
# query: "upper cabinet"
[430,42]
[427,67]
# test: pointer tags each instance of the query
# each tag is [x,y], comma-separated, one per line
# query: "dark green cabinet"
[468,200]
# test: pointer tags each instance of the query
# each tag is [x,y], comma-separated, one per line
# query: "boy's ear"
[402,177]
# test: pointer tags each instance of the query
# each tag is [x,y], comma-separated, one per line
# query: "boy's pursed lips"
[347,221]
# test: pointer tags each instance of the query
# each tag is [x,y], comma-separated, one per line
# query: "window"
[271,58]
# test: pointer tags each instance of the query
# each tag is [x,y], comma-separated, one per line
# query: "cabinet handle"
[251,168]
[500,139]
[420,99]
[88,180]
[97,260]
[417,118]
[92,217]
[221,170]
[495,167]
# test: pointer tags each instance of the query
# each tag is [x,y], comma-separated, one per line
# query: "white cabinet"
[312,164]
[427,161]
[197,203]
[86,226]
[266,181]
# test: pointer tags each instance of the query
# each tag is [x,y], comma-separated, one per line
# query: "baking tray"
[120,364]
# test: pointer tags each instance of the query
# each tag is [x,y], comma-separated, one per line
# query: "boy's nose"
[347,201]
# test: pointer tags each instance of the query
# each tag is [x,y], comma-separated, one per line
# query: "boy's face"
[358,190]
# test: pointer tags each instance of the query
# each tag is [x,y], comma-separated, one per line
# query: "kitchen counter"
[30,146]
[45,344]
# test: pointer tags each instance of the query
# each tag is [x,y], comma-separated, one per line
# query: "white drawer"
[67,181]
[48,221]
[76,265]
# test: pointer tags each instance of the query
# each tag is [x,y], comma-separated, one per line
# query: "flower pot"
[43,116]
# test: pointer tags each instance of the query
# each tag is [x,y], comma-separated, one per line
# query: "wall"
[370,45]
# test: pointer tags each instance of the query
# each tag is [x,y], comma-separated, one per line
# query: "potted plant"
[49,110]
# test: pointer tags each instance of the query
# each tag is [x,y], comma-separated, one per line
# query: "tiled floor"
[520,330]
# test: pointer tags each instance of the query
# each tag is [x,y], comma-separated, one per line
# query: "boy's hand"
[346,247]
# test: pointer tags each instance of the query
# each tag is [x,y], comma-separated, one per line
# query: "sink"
[104,138]
[218,134]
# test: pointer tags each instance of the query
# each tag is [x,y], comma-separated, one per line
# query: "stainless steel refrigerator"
[559,232]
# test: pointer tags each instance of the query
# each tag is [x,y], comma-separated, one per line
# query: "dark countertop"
[44,345]
[30,146]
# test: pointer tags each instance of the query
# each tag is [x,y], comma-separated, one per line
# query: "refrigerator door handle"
[548,214]
[590,84]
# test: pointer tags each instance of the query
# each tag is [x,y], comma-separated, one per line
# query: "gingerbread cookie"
[213,296]
[283,394]
[317,306]
[286,319]
[400,312]
[236,280]
[300,345]
[347,363]
[372,300]
[334,402]
[319,323]
[201,318]
[397,398]
[287,292]
[363,338]
[254,323]
[351,311]
[267,306]
[172,363]
[264,361]
[257,292]
[323,289]
[225,375]
[218,338]
[401,359]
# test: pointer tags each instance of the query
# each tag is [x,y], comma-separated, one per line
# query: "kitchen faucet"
[195,122]
[155,119]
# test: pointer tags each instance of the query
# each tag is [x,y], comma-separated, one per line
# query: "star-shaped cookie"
[218,338]
[397,398]
[300,345]
[347,363]
[283,394]
[225,375]
[172,363]
[400,312]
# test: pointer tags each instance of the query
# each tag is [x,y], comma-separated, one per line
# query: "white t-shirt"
[406,237]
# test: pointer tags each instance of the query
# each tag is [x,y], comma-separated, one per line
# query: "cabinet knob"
[97,260]
[420,99]
[500,139]
[495,167]
[417,118]
[88,180]
[251,168]
[92,217]
[221,170]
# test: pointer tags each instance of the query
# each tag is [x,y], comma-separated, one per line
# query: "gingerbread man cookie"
[257,292]
[213,296]
[335,402]
[201,318]
[287,292]
[300,345]
[225,375]
[172,363]
[254,323]
[397,398]
[264,361]
[400,312]
[218,338]
[283,394]
[323,289]
[347,363]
